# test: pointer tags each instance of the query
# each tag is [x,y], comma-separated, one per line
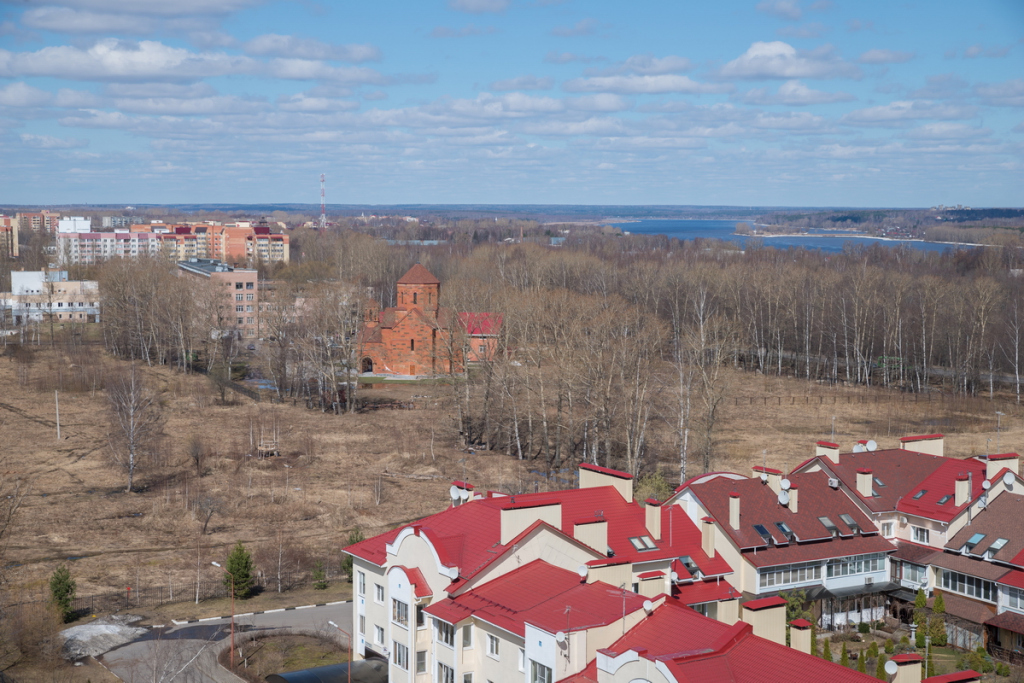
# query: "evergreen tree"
[890,646]
[814,640]
[844,657]
[319,576]
[939,606]
[354,536]
[873,650]
[921,601]
[862,663]
[240,567]
[62,591]
[827,651]
[880,668]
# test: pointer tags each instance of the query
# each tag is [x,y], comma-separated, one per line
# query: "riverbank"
[860,235]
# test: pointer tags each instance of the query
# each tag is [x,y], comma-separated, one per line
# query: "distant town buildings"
[38,296]
[42,221]
[9,236]
[235,310]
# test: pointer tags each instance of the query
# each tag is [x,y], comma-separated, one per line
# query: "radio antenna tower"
[323,207]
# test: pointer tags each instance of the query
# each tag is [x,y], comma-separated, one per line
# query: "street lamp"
[217,565]
[349,636]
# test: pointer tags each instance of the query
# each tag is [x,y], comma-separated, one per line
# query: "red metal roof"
[828,444]
[605,470]
[538,593]
[909,657]
[767,470]
[650,575]
[955,677]
[418,275]
[764,603]
[1003,456]
[481,324]
[922,437]
[416,578]
[800,623]
[1014,577]
[942,483]
[699,592]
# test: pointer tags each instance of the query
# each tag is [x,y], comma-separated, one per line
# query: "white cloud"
[975,51]
[784,9]
[478,6]
[900,112]
[68,20]
[881,56]
[143,90]
[944,130]
[302,102]
[583,27]
[604,102]
[309,70]
[599,126]
[647,65]
[523,83]
[76,99]
[792,121]
[173,106]
[781,60]
[23,95]
[178,8]
[1006,94]
[50,142]
[274,45]
[205,40]
[795,94]
[636,84]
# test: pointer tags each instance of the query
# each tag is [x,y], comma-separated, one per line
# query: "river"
[722,230]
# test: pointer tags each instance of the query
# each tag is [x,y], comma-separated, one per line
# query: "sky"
[716,102]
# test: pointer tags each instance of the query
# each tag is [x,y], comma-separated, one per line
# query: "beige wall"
[516,521]
[590,479]
[937,533]
[616,575]
[768,623]
[594,534]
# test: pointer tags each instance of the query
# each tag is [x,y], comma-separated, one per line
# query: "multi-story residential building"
[74,224]
[89,248]
[262,246]
[42,221]
[120,221]
[9,236]
[796,533]
[38,296]
[238,305]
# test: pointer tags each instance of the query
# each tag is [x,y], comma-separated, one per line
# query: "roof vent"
[833,482]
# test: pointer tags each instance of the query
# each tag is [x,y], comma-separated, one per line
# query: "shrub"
[1002,669]
[939,606]
[889,646]
[905,640]
[863,627]
[937,630]
[844,657]
[62,592]
[319,576]
[826,652]
[873,650]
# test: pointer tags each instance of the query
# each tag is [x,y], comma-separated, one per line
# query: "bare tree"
[135,417]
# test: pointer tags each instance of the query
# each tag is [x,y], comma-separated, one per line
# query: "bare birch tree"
[135,419]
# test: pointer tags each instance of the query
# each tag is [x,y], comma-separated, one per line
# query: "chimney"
[909,670]
[864,481]
[768,617]
[707,536]
[652,511]
[516,520]
[592,476]
[828,450]
[734,510]
[592,532]
[962,491]
[929,443]
[793,496]
[995,463]
[771,477]
[800,635]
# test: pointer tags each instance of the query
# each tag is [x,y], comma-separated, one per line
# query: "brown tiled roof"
[418,275]
[760,505]
[912,552]
[899,470]
[968,609]
[1001,518]
[967,565]
[1011,621]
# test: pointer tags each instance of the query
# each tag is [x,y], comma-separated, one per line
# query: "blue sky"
[755,102]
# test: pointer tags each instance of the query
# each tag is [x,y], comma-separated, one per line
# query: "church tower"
[418,288]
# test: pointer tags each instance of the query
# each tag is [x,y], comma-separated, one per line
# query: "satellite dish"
[859,448]
[453,573]
[986,484]
[1008,478]
[454,492]
[903,520]
[891,667]
[764,477]
[783,497]
[464,494]
[675,576]
[982,503]
[648,606]
[583,570]
[560,637]
[872,445]
[785,484]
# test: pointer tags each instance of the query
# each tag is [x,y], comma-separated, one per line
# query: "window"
[420,619]
[378,593]
[995,548]
[412,344]
[920,534]
[399,612]
[248,297]
[492,646]
[467,678]
[240,321]
[378,634]
[400,656]
[972,542]
[944,499]
[238,297]
[878,482]
[481,349]
[522,659]
[248,309]
[421,661]
[969,585]
[1015,598]
[238,285]
[856,564]
[414,296]
[915,573]
[362,624]
[917,496]
[248,285]
[829,524]
[789,573]
[539,673]
[467,636]
[249,321]
[445,674]
[445,633]
[763,533]
[887,529]
[239,309]
[643,543]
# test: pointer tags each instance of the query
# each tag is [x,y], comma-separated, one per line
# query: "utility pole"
[56,401]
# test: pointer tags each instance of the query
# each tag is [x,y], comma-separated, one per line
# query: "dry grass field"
[370,470]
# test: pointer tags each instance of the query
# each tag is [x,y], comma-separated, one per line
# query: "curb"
[176,622]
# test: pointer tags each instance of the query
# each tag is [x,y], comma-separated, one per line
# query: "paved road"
[187,654]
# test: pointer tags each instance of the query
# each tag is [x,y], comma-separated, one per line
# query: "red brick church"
[420,337]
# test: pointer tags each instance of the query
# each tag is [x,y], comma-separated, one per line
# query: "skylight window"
[763,533]
[784,528]
[944,499]
[996,547]
[829,524]
[973,541]
[849,521]
[917,496]
[878,482]
[690,565]
[643,543]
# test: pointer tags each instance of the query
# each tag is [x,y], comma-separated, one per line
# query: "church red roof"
[418,275]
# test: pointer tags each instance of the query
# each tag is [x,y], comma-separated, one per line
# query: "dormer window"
[829,525]
[642,543]
[972,542]
[995,548]
[690,565]
[786,531]
[878,482]
[763,533]
[849,521]
[917,496]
